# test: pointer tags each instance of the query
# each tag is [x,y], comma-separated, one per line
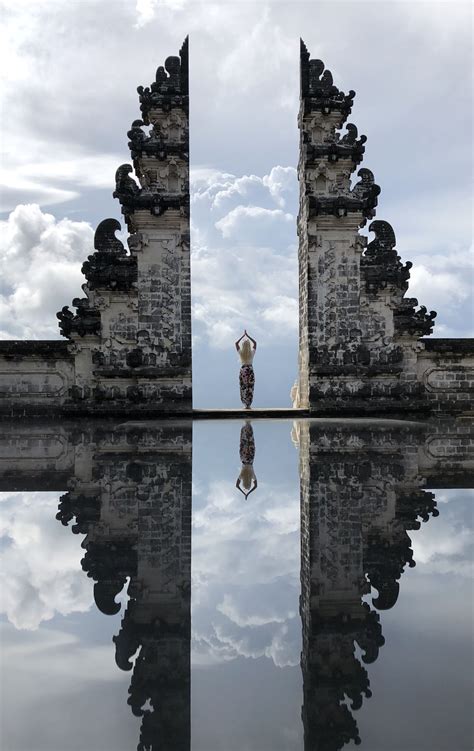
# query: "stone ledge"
[457,346]
[44,348]
[144,372]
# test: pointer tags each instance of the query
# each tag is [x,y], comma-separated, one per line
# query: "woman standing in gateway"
[246,352]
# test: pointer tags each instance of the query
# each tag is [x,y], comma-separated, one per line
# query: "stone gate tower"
[128,347]
[359,335]
[132,334]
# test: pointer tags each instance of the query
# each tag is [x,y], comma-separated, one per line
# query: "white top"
[246,360]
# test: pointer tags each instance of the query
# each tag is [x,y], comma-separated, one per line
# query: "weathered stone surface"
[445,367]
[49,349]
[34,376]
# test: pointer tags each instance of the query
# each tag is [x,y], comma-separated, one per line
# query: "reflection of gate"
[362,494]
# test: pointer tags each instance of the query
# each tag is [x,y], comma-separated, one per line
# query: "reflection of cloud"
[52,681]
[41,573]
[246,582]
[262,614]
[445,544]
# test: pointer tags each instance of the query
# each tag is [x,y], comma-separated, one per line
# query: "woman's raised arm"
[251,339]
[239,340]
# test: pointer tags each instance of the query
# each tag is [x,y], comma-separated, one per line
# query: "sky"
[69,97]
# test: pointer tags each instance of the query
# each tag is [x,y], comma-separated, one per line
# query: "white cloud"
[245,274]
[444,545]
[281,181]
[40,262]
[237,220]
[283,312]
[221,188]
[246,583]
[50,182]
[450,291]
[147,9]
[265,48]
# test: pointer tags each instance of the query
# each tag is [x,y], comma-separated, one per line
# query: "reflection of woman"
[246,352]
[246,477]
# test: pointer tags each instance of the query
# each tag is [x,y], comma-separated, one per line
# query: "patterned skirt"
[247,383]
[247,444]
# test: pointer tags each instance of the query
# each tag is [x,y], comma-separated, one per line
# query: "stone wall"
[35,377]
[445,367]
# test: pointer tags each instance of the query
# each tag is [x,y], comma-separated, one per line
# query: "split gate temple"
[365,484]
[362,342]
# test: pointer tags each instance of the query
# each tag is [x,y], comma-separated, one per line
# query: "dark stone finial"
[109,267]
[384,237]
[137,138]
[304,54]
[127,640]
[367,191]
[85,509]
[160,77]
[173,65]
[104,238]
[125,186]
[184,55]
[105,593]
[304,69]
[350,137]
[381,265]
[171,85]
[318,91]
[86,320]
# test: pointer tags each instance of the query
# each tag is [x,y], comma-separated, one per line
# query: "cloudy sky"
[69,98]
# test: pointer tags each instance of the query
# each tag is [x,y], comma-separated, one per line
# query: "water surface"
[243,586]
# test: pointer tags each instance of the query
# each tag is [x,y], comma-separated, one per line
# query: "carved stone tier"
[318,92]
[359,336]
